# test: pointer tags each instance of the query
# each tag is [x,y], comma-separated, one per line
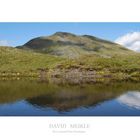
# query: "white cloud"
[4,43]
[130,41]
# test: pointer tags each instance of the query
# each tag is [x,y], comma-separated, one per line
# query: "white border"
[69,10]
[100,128]
[37,128]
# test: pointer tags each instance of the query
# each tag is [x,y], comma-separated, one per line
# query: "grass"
[116,62]
[117,67]
[17,62]
[20,63]
[12,59]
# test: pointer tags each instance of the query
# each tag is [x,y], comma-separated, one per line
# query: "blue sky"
[19,33]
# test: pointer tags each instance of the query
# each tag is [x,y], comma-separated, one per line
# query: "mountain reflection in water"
[26,97]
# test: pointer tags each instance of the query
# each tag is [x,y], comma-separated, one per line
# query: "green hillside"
[16,60]
[73,46]
[70,57]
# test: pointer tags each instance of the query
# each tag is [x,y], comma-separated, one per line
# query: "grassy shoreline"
[73,75]
[21,63]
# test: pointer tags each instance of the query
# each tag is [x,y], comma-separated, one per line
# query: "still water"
[36,98]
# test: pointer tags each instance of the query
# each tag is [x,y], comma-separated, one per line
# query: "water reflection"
[95,99]
[131,99]
[65,99]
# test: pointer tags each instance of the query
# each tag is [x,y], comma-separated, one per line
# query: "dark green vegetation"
[70,57]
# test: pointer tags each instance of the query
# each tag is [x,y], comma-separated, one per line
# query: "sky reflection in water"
[35,98]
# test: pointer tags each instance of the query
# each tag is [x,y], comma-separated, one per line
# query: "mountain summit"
[72,46]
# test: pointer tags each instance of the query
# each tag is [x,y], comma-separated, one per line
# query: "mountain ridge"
[70,45]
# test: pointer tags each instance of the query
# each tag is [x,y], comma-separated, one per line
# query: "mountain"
[72,46]
[91,58]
